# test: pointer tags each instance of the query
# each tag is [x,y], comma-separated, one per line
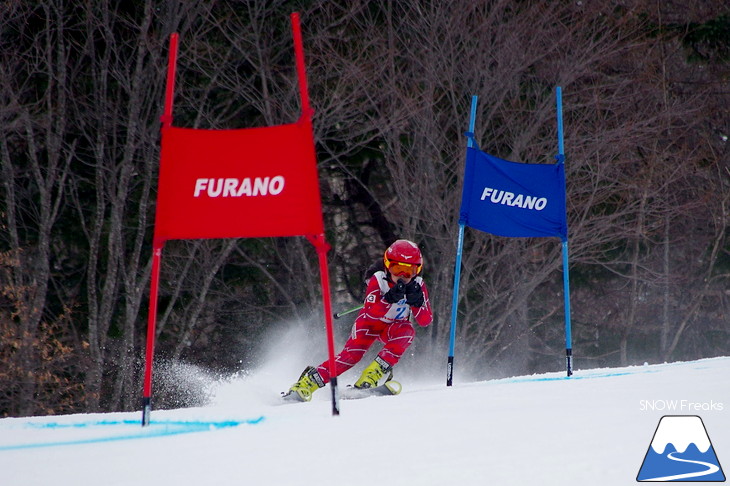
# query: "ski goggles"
[400,269]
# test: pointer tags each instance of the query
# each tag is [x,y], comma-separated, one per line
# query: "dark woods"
[647,120]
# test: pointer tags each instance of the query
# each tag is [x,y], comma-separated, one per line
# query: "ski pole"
[337,315]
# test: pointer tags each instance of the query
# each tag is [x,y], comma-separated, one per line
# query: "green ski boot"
[372,374]
[308,383]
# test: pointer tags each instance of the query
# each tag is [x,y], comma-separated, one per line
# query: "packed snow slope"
[591,429]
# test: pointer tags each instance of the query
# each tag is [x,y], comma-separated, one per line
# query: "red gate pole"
[301,69]
[151,325]
[318,241]
[322,248]
[157,245]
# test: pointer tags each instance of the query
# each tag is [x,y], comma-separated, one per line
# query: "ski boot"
[309,381]
[372,374]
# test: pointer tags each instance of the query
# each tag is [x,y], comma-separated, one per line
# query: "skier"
[393,295]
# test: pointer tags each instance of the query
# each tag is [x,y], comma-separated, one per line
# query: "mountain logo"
[680,451]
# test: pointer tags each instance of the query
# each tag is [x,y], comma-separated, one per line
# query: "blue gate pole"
[454,307]
[457,269]
[566,274]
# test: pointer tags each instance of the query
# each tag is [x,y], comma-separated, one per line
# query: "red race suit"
[383,321]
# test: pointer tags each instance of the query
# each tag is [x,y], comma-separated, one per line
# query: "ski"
[291,397]
[391,387]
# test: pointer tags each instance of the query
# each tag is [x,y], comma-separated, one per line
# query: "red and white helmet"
[403,258]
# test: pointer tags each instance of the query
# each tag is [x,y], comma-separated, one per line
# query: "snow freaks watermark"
[680,450]
[680,406]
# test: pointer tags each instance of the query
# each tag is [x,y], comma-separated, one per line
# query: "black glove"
[396,293]
[414,294]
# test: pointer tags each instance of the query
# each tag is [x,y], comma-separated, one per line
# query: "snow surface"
[593,428]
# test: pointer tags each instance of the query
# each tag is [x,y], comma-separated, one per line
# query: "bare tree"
[37,147]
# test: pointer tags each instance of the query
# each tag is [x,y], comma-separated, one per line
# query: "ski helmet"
[403,258]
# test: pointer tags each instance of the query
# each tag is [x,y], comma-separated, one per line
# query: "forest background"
[646,87]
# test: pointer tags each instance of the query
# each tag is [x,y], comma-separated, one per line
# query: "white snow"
[593,428]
